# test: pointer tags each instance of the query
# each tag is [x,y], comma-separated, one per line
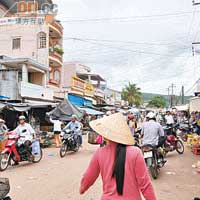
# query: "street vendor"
[3,131]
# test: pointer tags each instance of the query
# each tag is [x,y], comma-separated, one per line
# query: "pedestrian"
[3,131]
[57,128]
[169,119]
[132,123]
[121,165]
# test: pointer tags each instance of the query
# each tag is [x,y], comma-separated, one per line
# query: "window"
[42,40]
[57,76]
[16,43]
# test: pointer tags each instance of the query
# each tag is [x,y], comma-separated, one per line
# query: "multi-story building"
[113,97]
[31,44]
[82,85]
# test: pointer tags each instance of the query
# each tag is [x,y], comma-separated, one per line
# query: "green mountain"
[148,96]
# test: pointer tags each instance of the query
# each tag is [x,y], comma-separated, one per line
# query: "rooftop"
[94,77]
[14,61]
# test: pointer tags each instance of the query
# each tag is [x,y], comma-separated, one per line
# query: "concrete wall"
[29,44]
[9,84]
[68,71]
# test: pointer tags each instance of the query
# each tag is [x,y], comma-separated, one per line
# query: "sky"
[144,42]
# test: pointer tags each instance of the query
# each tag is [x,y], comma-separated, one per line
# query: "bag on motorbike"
[35,148]
[99,139]
[92,136]
[4,187]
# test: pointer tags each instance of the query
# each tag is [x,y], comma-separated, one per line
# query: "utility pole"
[168,97]
[182,95]
[172,94]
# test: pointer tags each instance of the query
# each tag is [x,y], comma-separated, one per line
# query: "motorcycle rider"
[153,134]
[75,125]
[26,133]
[152,131]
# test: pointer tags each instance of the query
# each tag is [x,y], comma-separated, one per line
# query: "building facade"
[113,97]
[37,38]
[80,81]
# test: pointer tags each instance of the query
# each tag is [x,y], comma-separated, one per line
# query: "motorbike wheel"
[153,171]
[38,158]
[184,137]
[4,161]
[63,150]
[77,148]
[152,167]
[179,147]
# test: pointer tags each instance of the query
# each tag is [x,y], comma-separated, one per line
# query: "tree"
[157,102]
[132,94]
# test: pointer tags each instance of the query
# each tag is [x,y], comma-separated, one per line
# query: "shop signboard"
[89,89]
[78,85]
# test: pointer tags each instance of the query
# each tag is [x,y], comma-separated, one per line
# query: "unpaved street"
[55,178]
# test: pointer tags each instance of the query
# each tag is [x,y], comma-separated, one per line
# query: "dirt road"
[55,178]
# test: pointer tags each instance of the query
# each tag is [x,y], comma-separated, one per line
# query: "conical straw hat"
[114,128]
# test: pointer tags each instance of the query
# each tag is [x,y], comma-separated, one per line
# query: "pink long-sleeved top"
[136,180]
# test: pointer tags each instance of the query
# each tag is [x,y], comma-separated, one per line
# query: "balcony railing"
[56,29]
[35,91]
[98,92]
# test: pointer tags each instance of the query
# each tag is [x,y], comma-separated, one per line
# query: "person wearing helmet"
[76,126]
[26,133]
[152,131]
[3,131]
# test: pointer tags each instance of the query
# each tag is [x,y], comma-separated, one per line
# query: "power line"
[130,50]
[127,19]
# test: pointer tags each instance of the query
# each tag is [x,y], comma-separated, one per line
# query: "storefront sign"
[89,89]
[21,20]
[78,84]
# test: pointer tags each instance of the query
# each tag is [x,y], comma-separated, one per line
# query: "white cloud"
[121,62]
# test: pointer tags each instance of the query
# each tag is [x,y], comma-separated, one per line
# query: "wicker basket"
[92,136]
[4,187]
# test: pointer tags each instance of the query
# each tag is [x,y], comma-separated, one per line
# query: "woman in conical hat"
[122,167]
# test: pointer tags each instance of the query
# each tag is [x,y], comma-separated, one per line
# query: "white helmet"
[151,115]
[22,117]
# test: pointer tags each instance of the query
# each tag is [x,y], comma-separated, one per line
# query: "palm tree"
[132,94]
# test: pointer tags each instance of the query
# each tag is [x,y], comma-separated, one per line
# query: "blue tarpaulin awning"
[90,111]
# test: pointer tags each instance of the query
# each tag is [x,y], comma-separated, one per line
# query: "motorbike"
[185,130]
[172,142]
[70,142]
[18,153]
[4,189]
[154,159]
[137,137]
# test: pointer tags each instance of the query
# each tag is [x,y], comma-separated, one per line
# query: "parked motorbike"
[172,142]
[18,153]
[70,142]
[137,137]
[185,130]
[154,159]
[4,189]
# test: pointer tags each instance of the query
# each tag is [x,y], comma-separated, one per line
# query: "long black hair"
[119,167]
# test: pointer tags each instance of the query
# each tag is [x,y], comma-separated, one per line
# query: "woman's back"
[136,178]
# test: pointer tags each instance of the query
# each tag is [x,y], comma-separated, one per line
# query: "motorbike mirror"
[24,131]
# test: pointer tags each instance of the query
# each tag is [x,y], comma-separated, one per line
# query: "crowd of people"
[120,163]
